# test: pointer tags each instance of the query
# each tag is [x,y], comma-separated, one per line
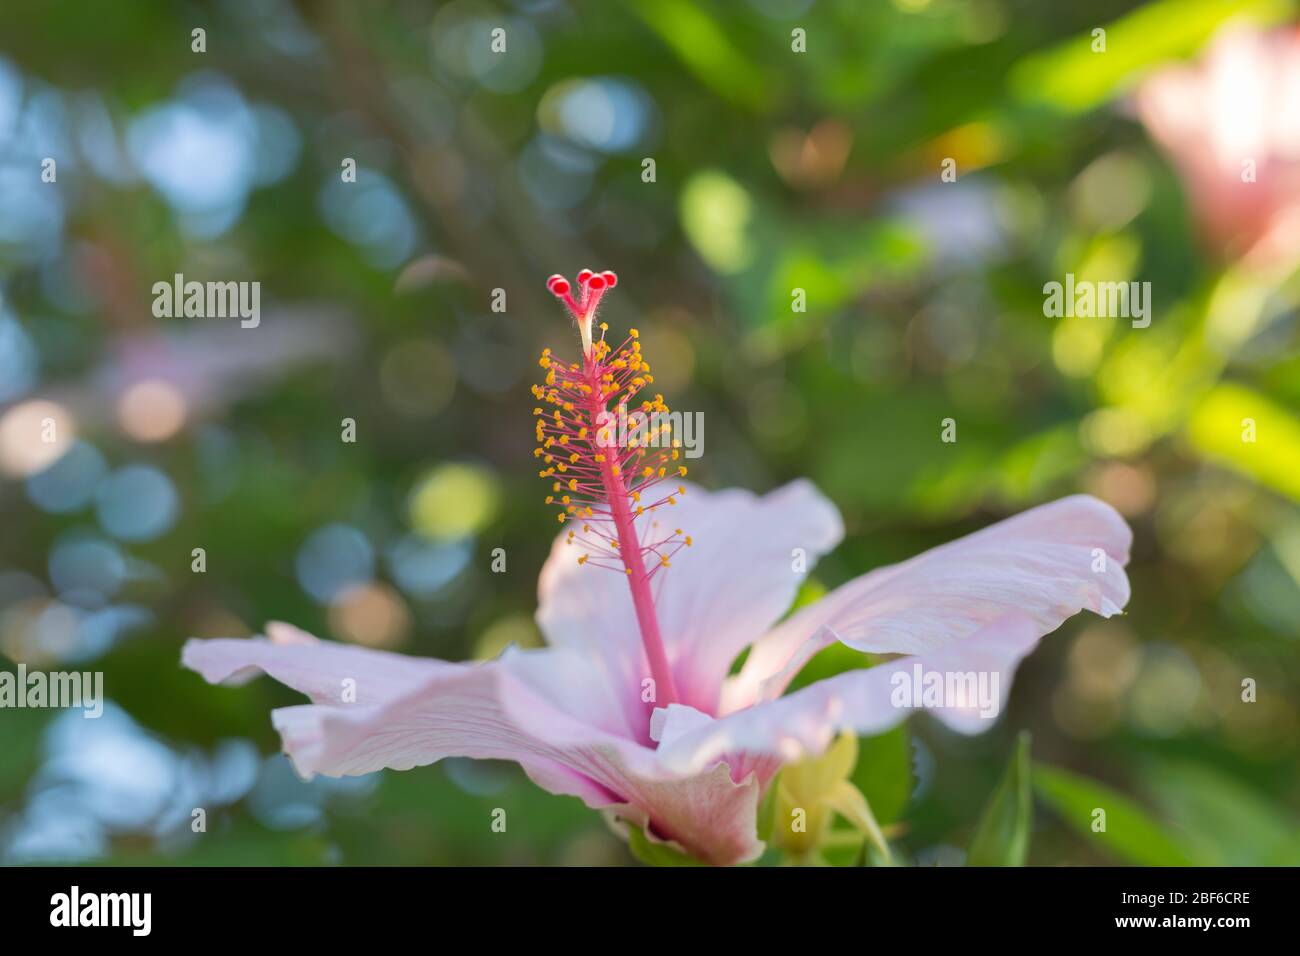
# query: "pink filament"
[630,548]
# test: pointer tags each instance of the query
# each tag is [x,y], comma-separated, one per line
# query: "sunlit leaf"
[1073,77]
[1247,431]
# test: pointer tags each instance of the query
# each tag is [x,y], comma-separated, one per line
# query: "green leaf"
[828,662]
[656,854]
[704,45]
[884,773]
[1215,430]
[1002,836]
[1072,77]
[1130,834]
[1220,820]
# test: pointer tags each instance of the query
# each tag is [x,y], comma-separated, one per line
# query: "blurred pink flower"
[573,716]
[1238,107]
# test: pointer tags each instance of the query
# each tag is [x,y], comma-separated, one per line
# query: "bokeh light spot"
[453,501]
[151,411]
[137,503]
[372,614]
[33,436]
[332,559]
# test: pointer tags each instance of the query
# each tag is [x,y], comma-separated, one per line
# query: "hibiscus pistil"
[602,478]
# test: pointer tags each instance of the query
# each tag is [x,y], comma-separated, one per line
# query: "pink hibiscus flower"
[632,706]
[1231,125]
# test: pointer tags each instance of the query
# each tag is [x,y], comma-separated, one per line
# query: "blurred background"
[1169,155]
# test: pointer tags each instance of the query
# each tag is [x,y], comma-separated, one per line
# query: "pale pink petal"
[804,723]
[326,671]
[1049,562]
[720,594]
[547,710]
[707,814]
